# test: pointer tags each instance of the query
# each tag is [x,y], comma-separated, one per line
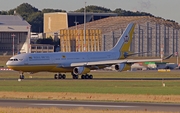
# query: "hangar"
[154,35]
[14,35]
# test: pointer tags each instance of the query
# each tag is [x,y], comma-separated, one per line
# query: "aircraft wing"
[95,63]
[112,62]
[142,60]
[148,60]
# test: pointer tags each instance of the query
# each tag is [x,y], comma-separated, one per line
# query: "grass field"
[99,90]
[93,86]
[113,90]
[100,74]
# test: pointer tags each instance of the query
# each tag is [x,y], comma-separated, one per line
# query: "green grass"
[100,74]
[93,86]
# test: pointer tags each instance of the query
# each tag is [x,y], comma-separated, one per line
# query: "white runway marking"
[84,105]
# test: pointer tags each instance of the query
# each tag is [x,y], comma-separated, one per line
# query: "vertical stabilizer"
[125,40]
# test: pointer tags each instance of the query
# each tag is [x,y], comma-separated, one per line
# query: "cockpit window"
[13,59]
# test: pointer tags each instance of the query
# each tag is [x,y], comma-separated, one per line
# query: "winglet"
[168,57]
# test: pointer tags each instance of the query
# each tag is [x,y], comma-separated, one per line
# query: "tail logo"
[126,38]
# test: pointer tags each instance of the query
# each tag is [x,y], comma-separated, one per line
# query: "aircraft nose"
[7,63]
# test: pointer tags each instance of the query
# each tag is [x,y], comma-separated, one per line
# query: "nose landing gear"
[21,76]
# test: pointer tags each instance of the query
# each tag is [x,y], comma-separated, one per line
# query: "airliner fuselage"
[56,62]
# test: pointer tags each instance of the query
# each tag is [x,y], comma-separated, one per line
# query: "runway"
[91,105]
[52,79]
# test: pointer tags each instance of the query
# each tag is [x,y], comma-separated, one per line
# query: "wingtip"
[168,57]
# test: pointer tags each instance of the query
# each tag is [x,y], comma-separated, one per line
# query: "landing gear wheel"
[90,77]
[86,76]
[82,76]
[55,76]
[74,76]
[59,76]
[63,76]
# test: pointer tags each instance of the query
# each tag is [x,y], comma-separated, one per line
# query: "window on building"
[33,47]
[45,47]
[39,47]
[50,47]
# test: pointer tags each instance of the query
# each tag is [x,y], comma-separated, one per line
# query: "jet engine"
[122,67]
[81,70]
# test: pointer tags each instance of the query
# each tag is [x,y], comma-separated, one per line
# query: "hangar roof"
[113,23]
[13,23]
[12,20]
[82,13]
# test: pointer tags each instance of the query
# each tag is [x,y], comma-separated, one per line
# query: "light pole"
[77,34]
[176,54]
[85,27]
[13,35]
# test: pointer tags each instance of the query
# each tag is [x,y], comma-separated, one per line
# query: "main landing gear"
[84,76]
[63,76]
[59,76]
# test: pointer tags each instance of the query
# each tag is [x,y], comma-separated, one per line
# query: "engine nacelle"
[122,67]
[81,70]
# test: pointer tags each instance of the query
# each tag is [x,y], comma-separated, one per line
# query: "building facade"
[53,22]
[41,48]
[73,40]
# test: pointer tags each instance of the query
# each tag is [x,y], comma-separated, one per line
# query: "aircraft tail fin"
[125,40]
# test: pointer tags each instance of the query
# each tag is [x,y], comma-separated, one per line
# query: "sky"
[167,9]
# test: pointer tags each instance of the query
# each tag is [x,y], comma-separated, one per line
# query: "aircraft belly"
[32,68]
[35,68]
[57,69]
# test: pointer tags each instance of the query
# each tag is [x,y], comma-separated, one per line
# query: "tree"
[3,13]
[36,21]
[52,10]
[11,11]
[45,41]
[25,10]
[95,9]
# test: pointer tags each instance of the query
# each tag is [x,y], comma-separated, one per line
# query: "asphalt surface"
[93,79]
[91,105]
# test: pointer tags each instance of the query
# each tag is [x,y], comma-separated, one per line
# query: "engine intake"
[81,70]
[122,67]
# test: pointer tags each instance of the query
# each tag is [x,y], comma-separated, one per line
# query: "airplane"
[78,63]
